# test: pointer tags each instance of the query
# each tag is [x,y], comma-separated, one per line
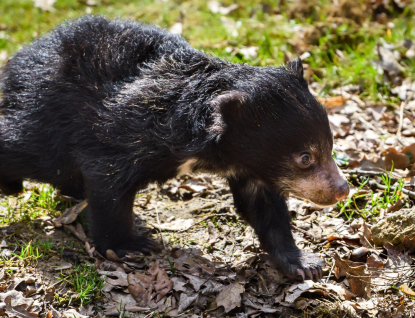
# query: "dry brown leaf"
[295,290]
[194,185]
[77,230]
[366,236]
[230,296]
[332,102]
[19,311]
[113,309]
[72,313]
[359,280]
[410,152]
[398,255]
[406,290]
[374,261]
[119,281]
[140,287]
[16,298]
[195,281]
[178,284]
[70,215]
[163,285]
[395,207]
[396,159]
[176,225]
[185,301]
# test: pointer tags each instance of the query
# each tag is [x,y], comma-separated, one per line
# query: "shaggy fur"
[101,108]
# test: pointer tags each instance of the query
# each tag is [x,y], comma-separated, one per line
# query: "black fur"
[101,108]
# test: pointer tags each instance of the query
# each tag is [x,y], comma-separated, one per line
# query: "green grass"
[32,204]
[85,281]
[257,25]
[28,253]
[369,204]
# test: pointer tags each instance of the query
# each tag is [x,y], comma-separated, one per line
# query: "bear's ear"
[296,66]
[226,110]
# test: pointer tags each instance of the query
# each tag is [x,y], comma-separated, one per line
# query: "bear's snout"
[342,191]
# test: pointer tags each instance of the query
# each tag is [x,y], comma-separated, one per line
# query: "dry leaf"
[19,311]
[195,281]
[396,159]
[359,280]
[176,225]
[406,290]
[70,215]
[332,102]
[230,296]
[185,301]
[410,152]
[163,285]
[140,287]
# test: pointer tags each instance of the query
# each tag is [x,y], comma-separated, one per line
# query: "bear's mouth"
[319,202]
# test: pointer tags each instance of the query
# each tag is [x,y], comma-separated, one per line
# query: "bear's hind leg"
[9,187]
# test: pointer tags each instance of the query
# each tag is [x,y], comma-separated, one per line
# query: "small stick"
[374,184]
[158,222]
[204,219]
[373,174]
[403,105]
[331,271]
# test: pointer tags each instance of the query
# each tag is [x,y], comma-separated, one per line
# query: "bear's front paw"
[300,267]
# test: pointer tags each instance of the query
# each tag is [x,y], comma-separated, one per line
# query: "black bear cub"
[100,108]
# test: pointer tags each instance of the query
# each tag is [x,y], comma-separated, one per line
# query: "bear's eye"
[305,160]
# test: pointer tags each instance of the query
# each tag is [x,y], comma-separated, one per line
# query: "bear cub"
[100,108]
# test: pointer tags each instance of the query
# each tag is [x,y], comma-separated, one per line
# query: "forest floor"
[359,58]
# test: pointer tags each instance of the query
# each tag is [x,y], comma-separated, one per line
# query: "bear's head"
[276,132]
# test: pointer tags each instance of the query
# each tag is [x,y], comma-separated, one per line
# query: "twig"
[331,271]
[374,184]
[158,222]
[373,174]
[204,219]
[398,132]
[402,107]
[301,230]
[368,125]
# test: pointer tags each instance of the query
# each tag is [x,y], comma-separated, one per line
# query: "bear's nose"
[342,191]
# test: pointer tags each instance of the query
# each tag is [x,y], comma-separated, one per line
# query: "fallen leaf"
[230,296]
[410,152]
[406,290]
[359,280]
[140,287]
[194,185]
[72,313]
[19,311]
[332,102]
[70,215]
[163,285]
[185,301]
[396,159]
[176,225]
[195,281]
[295,291]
